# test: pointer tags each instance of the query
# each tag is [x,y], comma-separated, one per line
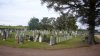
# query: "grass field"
[72,43]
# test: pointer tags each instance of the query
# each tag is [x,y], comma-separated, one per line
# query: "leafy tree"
[47,23]
[88,10]
[44,20]
[51,23]
[51,20]
[60,23]
[44,23]
[65,23]
[34,24]
[71,23]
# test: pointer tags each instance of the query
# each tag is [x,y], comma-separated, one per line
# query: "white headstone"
[52,40]
[40,39]
[36,38]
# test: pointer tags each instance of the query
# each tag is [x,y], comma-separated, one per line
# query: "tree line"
[59,23]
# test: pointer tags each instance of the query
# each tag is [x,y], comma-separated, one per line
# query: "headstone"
[40,39]
[7,33]
[0,34]
[21,38]
[52,40]
[4,35]
[68,36]
[17,36]
[36,38]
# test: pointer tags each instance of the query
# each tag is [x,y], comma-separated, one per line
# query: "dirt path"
[98,36]
[85,51]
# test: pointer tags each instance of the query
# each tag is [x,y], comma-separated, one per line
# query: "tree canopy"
[80,8]
[66,23]
[34,24]
[59,23]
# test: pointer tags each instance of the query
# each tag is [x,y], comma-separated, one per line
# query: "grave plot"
[40,38]
[44,36]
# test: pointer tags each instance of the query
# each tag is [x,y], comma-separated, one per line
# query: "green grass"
[13,27]
[33,45]
[8,42]
[72,43]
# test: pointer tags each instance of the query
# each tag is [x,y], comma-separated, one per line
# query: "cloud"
[19,12]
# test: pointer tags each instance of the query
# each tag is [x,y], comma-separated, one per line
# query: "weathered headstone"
[7,33]
[52,40]
[17,36]
[36,38]
[4,35]
[20,37]
[40,38]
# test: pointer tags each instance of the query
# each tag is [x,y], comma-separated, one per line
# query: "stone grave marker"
[36,38]
[40,38]
[52,40]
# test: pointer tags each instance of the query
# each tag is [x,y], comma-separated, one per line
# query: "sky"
[19,12]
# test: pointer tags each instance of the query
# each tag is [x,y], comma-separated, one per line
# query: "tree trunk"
[91,22]
[91,39]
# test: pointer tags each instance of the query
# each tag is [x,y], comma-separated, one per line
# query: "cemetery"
[43,39]
[49,27]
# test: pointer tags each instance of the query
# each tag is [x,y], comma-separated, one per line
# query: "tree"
[34,24]
[51,23]
[65,23]
[71,23]
[44,23]
[88,10]
[60,23]
[47,23]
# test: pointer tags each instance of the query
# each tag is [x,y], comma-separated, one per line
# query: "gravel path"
[84,51]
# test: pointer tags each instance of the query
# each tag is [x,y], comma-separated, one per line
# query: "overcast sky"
[19,12]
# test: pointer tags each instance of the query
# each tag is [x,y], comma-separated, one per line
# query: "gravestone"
[0,34]
[20,37]
[52,40]
[4,35]
[68,36]
[7,33]
[40,38]
[36,38]
[17,36]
